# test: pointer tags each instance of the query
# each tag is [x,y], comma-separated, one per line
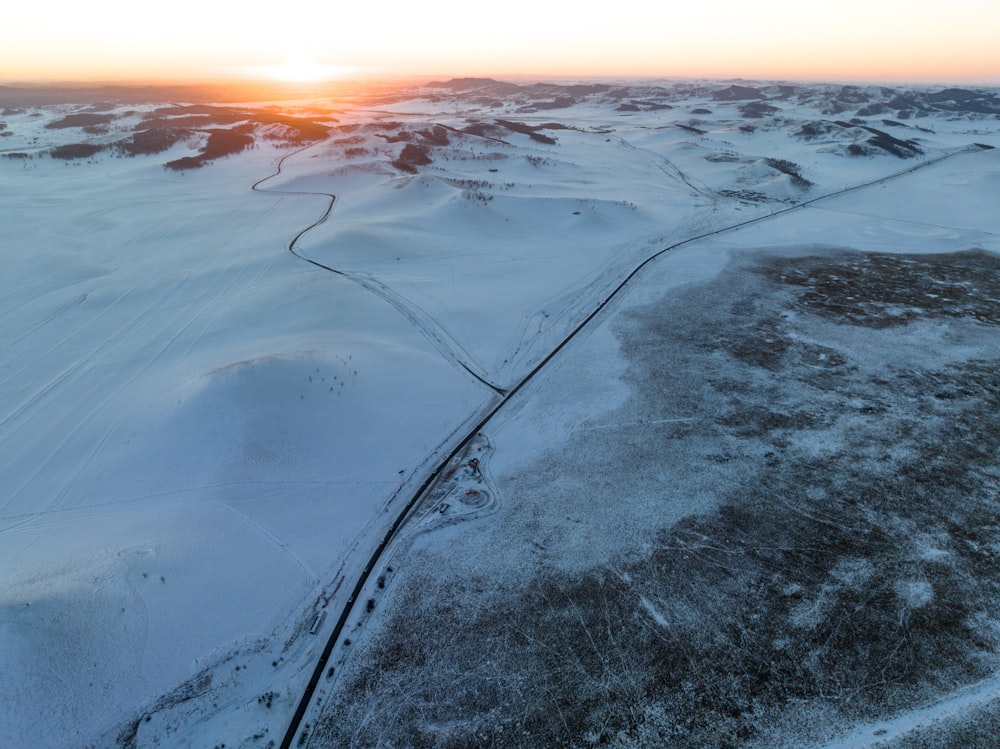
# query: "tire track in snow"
[879,733]
[139,282]
[431,327]
[909,221]
[222,309]
[30,522]
[274,539]
[69,337]
[198,313]
[671,170]
[428,326]
[117,338]
[112,339]
[42,323]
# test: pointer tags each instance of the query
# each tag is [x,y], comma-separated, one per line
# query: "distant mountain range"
[863,101]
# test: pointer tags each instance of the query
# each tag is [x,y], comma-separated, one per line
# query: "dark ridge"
[220,143]
[737,93]
[200,116]
[403,136]
[902,102]
[560,102]
[483,130]
[581,89]
[953,94]
[792,170]
[307,129]
[186,109]
[153,140]
[529,130]
[834,107]
[225,142]
[436,136]
[414,154]
[476,84]
[564,91]
[902,149]
[757,109]
[786,92]
[814,129]
[852,95]
[221,117]
[80,120]
[185,163]
[647,105]
[963,100]
[872,110]
[75,151]
[411,157]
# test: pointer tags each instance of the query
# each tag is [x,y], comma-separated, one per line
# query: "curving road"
[449,347]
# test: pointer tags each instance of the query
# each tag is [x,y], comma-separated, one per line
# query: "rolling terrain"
[601,413]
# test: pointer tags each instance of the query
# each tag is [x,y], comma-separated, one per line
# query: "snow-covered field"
[203,436]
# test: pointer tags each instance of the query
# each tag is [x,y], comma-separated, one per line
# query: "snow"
[880,733]
[202,436]
[183,399]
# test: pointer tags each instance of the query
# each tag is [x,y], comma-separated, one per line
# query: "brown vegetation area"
[847,571]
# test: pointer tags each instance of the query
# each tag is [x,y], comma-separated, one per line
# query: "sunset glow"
[106,40]
[299,69]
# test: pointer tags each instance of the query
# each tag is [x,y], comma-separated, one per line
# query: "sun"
[298,68]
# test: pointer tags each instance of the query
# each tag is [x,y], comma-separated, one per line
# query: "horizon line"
[520,78]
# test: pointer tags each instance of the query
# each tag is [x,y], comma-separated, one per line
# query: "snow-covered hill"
[204,435]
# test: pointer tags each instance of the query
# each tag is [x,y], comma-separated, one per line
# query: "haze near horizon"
[194,42]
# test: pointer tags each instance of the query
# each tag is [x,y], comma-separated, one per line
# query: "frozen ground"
[754,495]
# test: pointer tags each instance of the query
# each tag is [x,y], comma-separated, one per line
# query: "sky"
[184,41]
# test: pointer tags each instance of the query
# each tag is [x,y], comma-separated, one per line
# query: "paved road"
[406,512]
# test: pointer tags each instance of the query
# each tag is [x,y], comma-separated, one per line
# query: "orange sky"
[196,40]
